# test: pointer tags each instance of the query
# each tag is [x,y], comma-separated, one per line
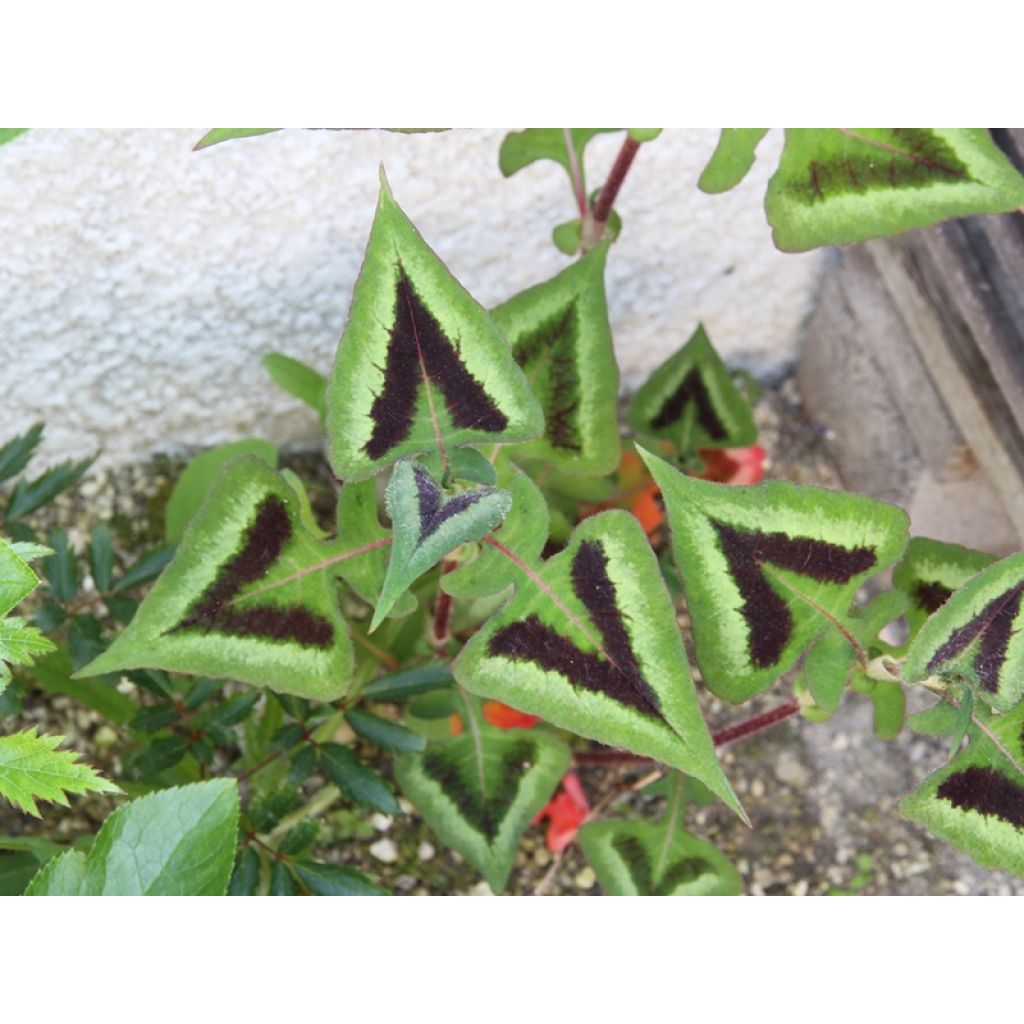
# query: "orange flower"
[733,465]
[565,812]
[500,715]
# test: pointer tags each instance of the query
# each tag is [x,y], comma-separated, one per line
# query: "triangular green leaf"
[421,366]
[645,858]
[767,569]
[732,158]
[245,596]
[32,769]
[524,533]
[427,527]
[976,802]
[691,401]
[479,791]
[560,336]
[591,644]
[178,842]
[929,573]
[977,637]
[840,185]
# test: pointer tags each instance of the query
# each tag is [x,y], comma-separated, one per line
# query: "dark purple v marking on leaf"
[432,512]
[419,346]
[986,791]
[615,673]
[262,544]
[691,390]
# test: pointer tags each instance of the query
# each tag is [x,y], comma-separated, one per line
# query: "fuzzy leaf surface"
[245,597]
[427,527]
[767,569]
[692,401]
[591,644]
[177,842]
[32,769]
[834,186]
[733,157]
[977,637]
[561,338]
[421,366]
[479,791]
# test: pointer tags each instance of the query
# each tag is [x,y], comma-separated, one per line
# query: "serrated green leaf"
[200,475]
[217,135]
[15,455]
[976,802]
[29,551]
[360,783]
[834,186]
[245,879]
[17,580]
[769,568]
[929,573]
[691,400]
[101,557]
[561,339]
[410,682]
[32,769]
[524,533]
[20,643]
[335,880]
[520,149]
[61,568]
[977,637]
[160,756]
[385,734]
[591,644]
[245,596]
[732,158]
[29,496]
[644,858]
[479,791]
[65,875]
[299,379]
[427,527]
[421,366]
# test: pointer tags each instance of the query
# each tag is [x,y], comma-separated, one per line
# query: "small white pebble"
[800,889]
[480,889]
[757,789]
[840,741]
[586,878]
[381,822]
[384,850]
[961,888]
[425,851]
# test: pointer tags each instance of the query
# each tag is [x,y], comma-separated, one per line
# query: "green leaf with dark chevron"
[246,596]
[691,400]
[929,573]
[560,336]
[479,791]
[768,569]
[839,185]
[520,149]
[421,366]
[427,526]
[524,533]
[976,802]
[646,858]
[977,637]
[732,158]
[591,644]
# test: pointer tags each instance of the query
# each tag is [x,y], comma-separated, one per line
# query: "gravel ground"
[822,798]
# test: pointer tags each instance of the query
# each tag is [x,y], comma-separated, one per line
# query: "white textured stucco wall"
[141,282]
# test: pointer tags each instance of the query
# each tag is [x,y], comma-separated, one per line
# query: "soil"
[822,798]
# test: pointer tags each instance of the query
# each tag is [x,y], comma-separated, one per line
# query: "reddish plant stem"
[616,176]
[741,730]
[444,605]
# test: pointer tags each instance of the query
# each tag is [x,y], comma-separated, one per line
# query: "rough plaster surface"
[142,282]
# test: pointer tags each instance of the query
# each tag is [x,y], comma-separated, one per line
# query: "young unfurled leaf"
[200,475]
[427,527]
[767,569]
[645,858]
[977,637]
[421,366]
[31,769]
[732,158]
[976,802]
[520,149]
[524,533]
[591,644]
[479,791]
[246,596]
[929,573]
[691,400]
[298,379]
[560,336]
[840,185]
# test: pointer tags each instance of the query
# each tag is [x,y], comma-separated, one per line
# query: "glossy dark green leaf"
[235,709]
[382,733]
[357,781]
[122,608]
[101,557]
[85,640]
[61,568]
[163,753]
[200,692]
[245,879]
[301,765]
[145,569]
[282,881]
[16,871]
[268,809]
[299,838]
[300,380]
[335,880]
[155,718]
[15,454]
